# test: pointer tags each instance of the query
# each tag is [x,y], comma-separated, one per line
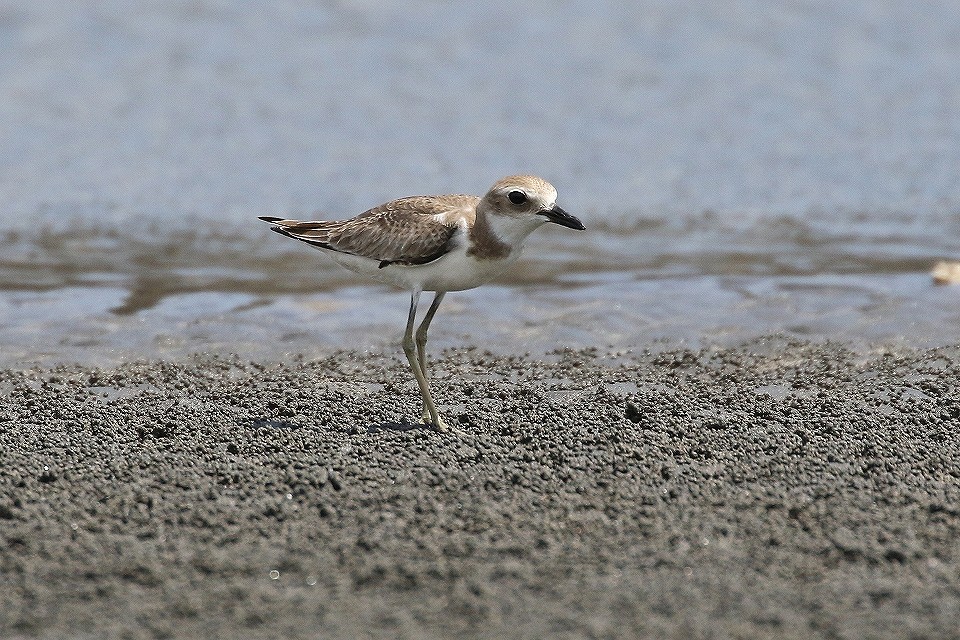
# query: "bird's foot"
[438,423]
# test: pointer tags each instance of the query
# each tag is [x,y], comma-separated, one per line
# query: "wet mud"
[777,489]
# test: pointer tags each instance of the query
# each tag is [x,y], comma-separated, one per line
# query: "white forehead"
[549,195]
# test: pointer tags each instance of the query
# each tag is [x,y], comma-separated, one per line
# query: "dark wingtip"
[269,218]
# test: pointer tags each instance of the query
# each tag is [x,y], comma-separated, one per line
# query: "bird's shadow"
[285,425]
[404,425]
[270,423]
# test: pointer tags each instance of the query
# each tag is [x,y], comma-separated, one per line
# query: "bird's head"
[527,200]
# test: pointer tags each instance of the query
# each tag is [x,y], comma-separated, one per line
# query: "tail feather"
[311,239]
[315,233]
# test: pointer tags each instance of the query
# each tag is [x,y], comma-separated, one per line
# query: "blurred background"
[743,167]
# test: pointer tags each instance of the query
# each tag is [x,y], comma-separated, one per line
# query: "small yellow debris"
[946,272]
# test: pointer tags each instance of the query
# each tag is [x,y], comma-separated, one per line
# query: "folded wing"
[408,231]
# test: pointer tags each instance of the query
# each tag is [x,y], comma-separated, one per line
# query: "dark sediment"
[778,490]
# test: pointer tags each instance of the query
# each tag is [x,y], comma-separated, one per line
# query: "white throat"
[513,231]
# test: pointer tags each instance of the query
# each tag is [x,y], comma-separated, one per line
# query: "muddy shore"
[778,489]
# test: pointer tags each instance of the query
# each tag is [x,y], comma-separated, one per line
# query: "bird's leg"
[422,344]
[409,348]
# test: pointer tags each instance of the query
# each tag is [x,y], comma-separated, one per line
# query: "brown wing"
[414,230]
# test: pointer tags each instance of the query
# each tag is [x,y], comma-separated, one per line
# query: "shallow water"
[742,168]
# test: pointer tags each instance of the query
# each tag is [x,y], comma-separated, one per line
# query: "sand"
[778,489]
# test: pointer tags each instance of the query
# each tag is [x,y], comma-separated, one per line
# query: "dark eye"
[517,197]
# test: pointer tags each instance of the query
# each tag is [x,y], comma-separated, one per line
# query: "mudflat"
[777,489]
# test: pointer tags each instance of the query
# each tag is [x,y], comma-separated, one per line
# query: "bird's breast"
[459,270]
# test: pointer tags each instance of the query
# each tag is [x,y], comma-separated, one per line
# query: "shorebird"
[435,243]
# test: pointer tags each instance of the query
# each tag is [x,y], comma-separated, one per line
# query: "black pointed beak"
[561,217]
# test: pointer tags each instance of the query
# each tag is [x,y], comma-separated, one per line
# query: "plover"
[435,243]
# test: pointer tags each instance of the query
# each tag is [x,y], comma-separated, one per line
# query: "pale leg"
[409,348]
[422,343]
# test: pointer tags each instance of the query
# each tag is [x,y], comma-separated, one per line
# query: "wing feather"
[408,231]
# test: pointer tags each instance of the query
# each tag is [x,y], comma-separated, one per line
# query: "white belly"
[455,271]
